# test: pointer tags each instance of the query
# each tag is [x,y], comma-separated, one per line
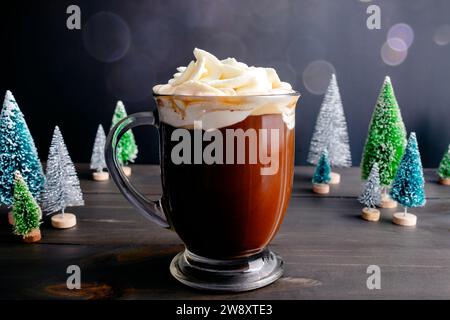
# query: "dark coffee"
[228,210]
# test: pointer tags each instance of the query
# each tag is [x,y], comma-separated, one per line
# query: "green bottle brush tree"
[26,211]
[386,139]
[444,169]
[127,149]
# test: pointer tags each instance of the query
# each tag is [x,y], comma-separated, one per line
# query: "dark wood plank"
[146,178]
[325,245]
[352,184]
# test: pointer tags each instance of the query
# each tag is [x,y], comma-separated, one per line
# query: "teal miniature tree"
[408,187]
[323,170]
[26,211]
[444,166]
[17,152]
[386,138]
[127,149]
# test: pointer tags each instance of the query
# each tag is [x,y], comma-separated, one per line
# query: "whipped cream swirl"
[209,76]
[220,93]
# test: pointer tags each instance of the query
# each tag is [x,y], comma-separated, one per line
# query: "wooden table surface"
[325,245]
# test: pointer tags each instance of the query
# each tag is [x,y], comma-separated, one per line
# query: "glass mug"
[225,207]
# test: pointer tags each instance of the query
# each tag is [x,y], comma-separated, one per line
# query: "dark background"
[73,78]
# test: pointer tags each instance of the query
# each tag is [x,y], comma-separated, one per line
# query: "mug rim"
[294,93]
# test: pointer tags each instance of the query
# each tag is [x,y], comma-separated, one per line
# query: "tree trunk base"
[33,236]
[370,214]
[64,221]
[100,176]
[444,181]
[405,220]
[387,202]
[335,178]
[126,170]
[321,188]
[10,218]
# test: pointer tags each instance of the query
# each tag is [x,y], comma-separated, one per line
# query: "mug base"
[234,275]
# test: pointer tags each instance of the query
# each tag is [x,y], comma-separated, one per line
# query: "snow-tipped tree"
[62,187]
[26,211]
[408,187]
[17,152]
[126,149]
[323,170]
[98,162]
[371,196]
[386,139]
[444,165]
[331,130]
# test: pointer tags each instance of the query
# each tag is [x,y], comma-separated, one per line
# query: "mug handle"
[152,210]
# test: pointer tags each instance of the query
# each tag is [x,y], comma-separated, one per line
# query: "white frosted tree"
[331,130]
[98,162]
[62,187]
[371,196]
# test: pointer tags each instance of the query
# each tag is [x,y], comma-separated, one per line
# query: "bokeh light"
[132,78]
[106,36]
[397,44]
[392,56]
[400,31]
[442,35]
[316,76]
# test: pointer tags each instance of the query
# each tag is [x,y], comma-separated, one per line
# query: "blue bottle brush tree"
[17,153]
[408,187]
[323,169]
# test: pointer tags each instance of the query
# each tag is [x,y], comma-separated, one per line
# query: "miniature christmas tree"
[321,176]
[127,149]
[331,130]
[17,152]
[26,212]
[62,188]
[408,187]
[444,168]
[386,138]
[371,196]
[98,162]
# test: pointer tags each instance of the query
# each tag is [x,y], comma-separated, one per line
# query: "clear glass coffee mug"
[225,211]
